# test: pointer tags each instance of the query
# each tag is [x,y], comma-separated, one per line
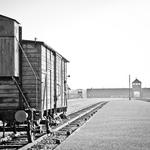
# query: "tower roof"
[136,81]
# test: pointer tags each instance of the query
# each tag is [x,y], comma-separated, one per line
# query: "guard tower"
[136,89]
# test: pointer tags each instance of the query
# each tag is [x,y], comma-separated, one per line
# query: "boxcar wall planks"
[50,68]
[9,50]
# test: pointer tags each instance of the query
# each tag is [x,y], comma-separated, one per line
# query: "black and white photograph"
[74,74]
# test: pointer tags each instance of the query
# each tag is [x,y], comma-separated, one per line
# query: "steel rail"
[62,126]
[74,117]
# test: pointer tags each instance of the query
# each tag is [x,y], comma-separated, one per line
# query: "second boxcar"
[44,77]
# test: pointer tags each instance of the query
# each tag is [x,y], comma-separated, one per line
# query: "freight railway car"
[33,81]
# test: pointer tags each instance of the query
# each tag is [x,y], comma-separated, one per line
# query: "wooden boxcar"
[45,87]
[33,78]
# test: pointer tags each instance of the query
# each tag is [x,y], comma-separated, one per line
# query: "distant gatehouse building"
[136,92]
[136,89]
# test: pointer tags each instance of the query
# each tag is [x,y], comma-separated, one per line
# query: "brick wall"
[114,93]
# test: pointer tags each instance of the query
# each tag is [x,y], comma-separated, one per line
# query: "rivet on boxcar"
[21,116]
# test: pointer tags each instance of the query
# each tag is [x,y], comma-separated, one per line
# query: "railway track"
[58,133]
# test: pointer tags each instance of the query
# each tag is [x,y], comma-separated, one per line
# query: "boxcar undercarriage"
[20,117]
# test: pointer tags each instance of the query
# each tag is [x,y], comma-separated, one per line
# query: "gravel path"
[119,125]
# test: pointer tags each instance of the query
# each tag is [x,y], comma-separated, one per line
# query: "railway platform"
[119,125]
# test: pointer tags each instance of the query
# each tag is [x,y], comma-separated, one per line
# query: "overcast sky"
[104,40]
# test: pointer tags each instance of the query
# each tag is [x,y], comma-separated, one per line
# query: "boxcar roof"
[2,16]
[45,45]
